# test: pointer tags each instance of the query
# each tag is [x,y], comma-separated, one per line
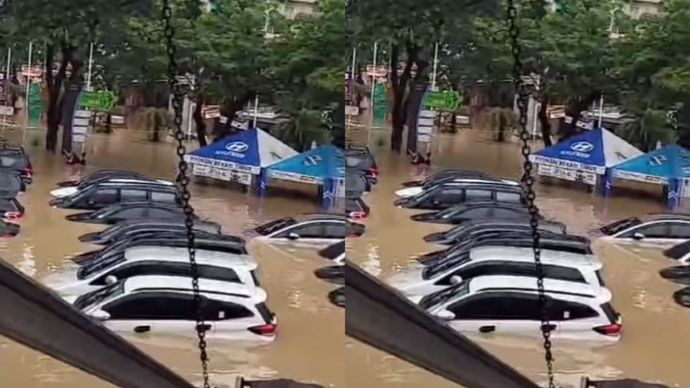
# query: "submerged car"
[356,208]
[449,194]
[16,160]
[335,253]
[11,209]
[100,195]
[130,211]
[522,239]
[8,229]
[219,243]
[471,229]
[128,229]
[66,191]
[166,305]
[411,191]
[497,260]
[358,160]
[447,173]
[125,174]
[309,229]
[475,211]
[151,260]
[510,305]
[662,229]
[11,184]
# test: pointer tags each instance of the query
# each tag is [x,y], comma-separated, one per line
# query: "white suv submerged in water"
[165,305]
[510,305]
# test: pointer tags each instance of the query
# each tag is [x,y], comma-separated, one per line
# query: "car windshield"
[620,226]
[441,296]
[95,297]
[97,265]
[276,225]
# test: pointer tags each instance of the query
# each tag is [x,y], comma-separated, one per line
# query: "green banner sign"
[101,100]
[35,103]
[443,101]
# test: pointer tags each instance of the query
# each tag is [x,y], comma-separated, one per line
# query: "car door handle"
[487,329]
[549,327]
[142,329]
[204,327]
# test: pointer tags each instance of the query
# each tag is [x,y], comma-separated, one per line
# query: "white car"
[320,229]
[70,190]
[653,230]
[415,190]
[495,260]
[510,305]
[152,260]
[165,305]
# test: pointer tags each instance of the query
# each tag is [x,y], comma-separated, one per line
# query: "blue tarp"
[316,166]
[593,151]
[245,151]
[659,166]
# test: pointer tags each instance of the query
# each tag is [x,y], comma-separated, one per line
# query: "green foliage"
[649,128]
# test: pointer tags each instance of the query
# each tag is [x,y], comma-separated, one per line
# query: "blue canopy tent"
[585,157]
[669,166]
[324,166]
[239,157]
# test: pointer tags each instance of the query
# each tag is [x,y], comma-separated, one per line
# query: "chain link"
[528,182]
[183,183]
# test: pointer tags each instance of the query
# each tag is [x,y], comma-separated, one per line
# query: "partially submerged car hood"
[409,191]
[64,192]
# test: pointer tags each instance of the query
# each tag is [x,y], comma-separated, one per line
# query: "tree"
[411,31]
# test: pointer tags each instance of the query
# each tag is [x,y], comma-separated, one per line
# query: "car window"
[133,195]
[680,230]
[159,306]
[169,269]
[500,212]
[448,196]
[215,310]
[504,196]
[478,195]
[104,196]
[656,230]
[561,310]
[310,230]
[497,306]
[478,212]
[514,269]
[335,230]
[137,212]
[162,213]
[157,196]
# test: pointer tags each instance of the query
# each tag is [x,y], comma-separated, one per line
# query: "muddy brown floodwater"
[656,332]
[309,346]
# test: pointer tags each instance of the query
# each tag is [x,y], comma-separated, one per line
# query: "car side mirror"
[293,236]
[110,279]
[100,315]
[444,315]
[638,236]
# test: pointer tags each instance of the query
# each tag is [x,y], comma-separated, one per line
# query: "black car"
[470,229]
[130,211]
[220,243]
[15,159]
[102,195]
[8,229]
[11,184]
[445,174]
[356,209]
[11,209]
[356,185]
[361,161]
[474,211]
[100,174]
[518,239]
[128,229]
[445,195]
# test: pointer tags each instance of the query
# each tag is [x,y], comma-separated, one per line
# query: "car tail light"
[29,172]
[267,330]
[612,329]
[358,215]
[13,215]
[374,171]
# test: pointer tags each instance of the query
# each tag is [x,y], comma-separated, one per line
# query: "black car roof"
[517,224]
[475,204]
[166,205]
[153,222]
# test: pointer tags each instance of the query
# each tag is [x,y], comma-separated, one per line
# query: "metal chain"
[183,183]
[528,182]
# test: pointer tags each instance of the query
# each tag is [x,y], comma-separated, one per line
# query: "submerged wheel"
[678,274]
[337,296]
[682,297]
[334,274]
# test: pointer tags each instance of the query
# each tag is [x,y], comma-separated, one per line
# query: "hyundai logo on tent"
[581,149]
[312,160]
[657,160]
[236,149]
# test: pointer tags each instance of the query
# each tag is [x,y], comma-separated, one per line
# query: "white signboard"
[224,175]
[79,138]
[424,130]
[6,110]
[79,130]
[424,138]
[351,110]
[586,177]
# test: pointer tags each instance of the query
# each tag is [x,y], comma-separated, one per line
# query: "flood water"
[656,332]
[310,342]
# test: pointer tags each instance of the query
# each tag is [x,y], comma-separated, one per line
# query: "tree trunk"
[109,123]
[454,122]
[229,108]
[199,120]
[544,121]
[54,85]
[399,85]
